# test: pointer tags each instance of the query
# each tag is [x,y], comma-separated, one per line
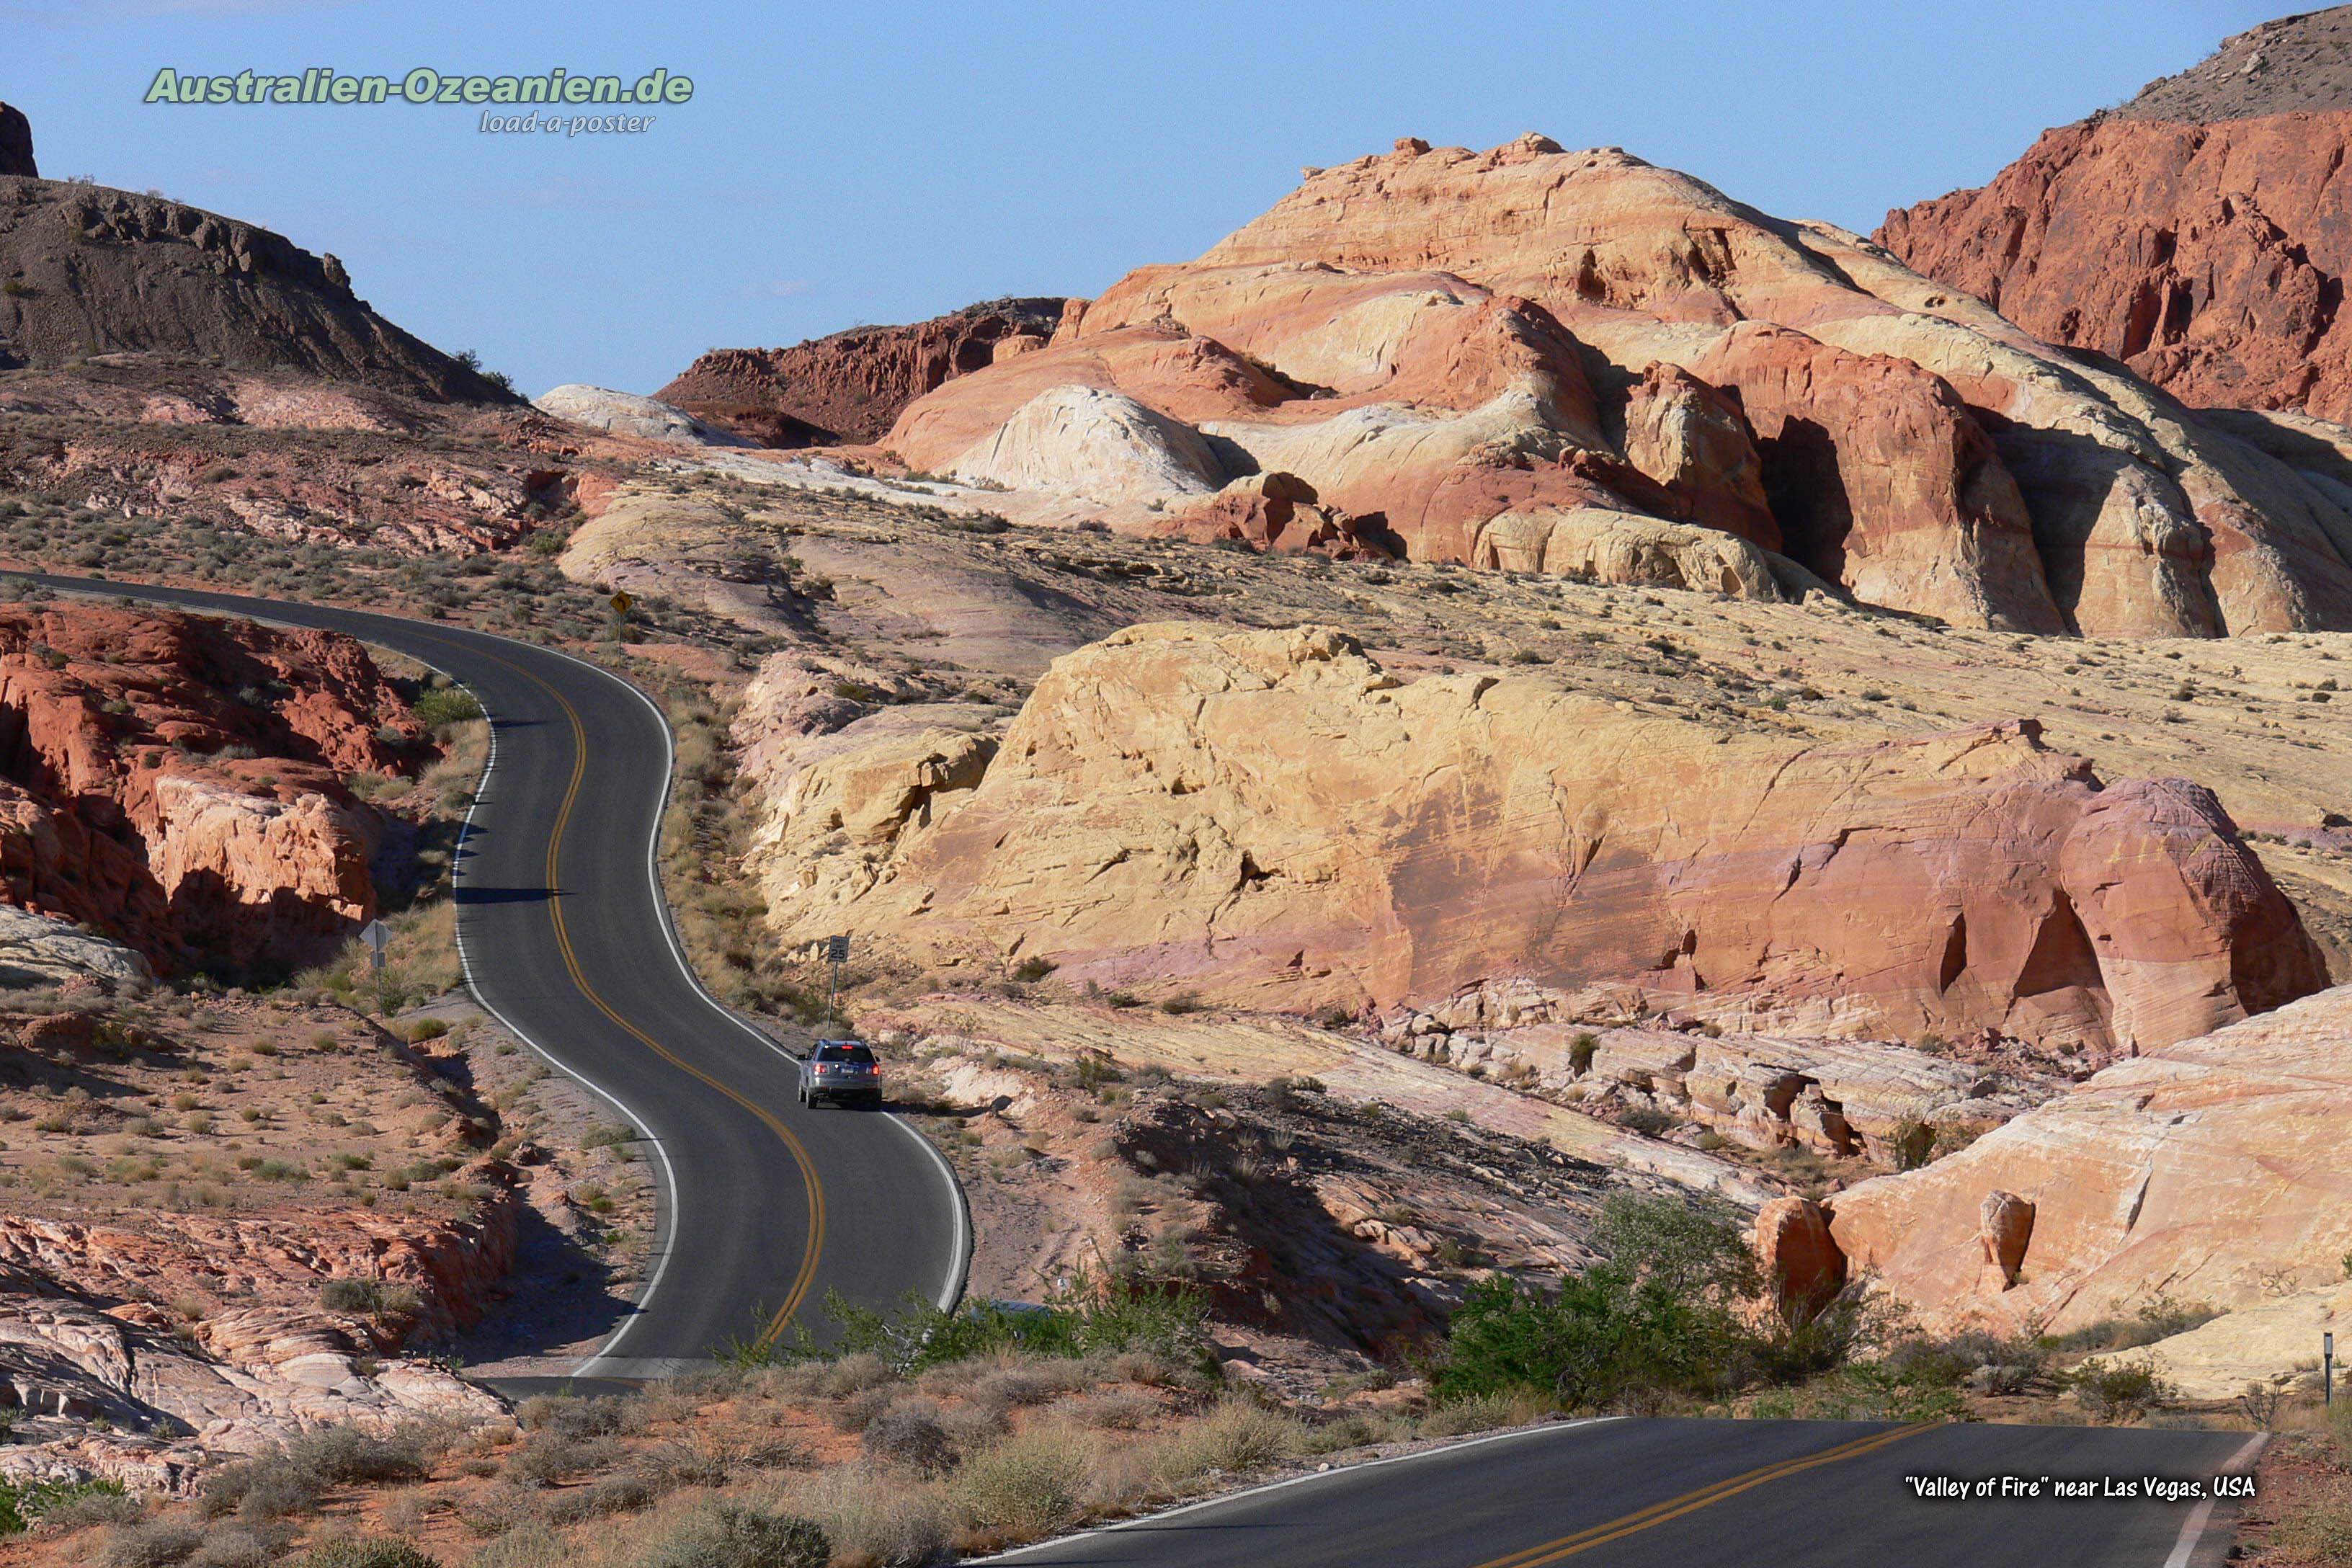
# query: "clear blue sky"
[879,161]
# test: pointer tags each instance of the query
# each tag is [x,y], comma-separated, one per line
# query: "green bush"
[446,705]
[1083,1318]
[1658,1314]
[2118,1393]
[24,1502]
[725,1536]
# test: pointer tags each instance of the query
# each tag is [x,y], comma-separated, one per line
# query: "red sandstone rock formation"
[177,782]
[2199,235]
[1478,352]
[848,387]
[1801,1265]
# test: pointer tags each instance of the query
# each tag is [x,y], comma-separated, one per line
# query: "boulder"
[622,414]
[1102,446]
[1803,1269]
[1599,544]
[177,782]
[17,144]
[2004,1230]
[1694,439]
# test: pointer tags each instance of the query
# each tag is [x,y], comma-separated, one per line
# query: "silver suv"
[842,1070]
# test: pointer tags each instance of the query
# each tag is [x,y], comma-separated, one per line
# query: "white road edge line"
[952,1290]
[1223,1498]
[2192,1529]
[666,1227]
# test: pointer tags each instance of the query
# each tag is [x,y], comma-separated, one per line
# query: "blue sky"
[878,162]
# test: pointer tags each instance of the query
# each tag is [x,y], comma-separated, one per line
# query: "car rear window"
[861,1055]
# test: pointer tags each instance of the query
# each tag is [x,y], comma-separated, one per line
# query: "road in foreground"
[766,1207]
[1626,1493]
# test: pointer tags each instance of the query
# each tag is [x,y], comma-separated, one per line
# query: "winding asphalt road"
[766,1207]
[1672,1494]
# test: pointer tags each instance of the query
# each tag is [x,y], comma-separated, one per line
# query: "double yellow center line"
[815,1244]
[1659,1513]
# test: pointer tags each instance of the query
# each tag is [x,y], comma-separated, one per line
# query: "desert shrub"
[551,1458]
[1657,1314]
[156,1544]
[909,1433]
[234,1546]
[2118,1391]
[887,1525]
[341,1456]
[1485,1413]
[347,1295]
[528,1546]
[632,1491]
[91,1504]
[2158,1319]
[1087,1317]
[570,1416]
[446,705]
[1031,1484]
[1580,1050]
[1869,1391]
[722,1535]
[23,1503]
[291,1480]
[1649,1120]
[1234,1436]
[357,1552]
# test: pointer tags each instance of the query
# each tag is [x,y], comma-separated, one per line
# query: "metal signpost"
[377,939]
[836,949]
[2327,1368]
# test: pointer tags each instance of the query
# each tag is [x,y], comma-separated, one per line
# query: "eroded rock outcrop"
[601,409]
[851,386]
[2194,235]
[1436,339]
[1272,819]
[2207,1170]
[178,783]
[17,144]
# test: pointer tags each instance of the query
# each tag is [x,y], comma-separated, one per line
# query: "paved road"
[766,1207]
[1673,1494]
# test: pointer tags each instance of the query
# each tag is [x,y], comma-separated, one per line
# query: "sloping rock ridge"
[177,782]
[2197,235]
[849,386]
[85,270]
[2207,1171]
[1457,350]
[1271,819]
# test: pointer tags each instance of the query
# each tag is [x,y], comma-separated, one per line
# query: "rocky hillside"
[182,785]
[851,386]
[2195,234]
[87,271]
[1578,363]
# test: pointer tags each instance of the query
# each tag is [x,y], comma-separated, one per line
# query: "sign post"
[836,949]
[2327,1368]
[377,939]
